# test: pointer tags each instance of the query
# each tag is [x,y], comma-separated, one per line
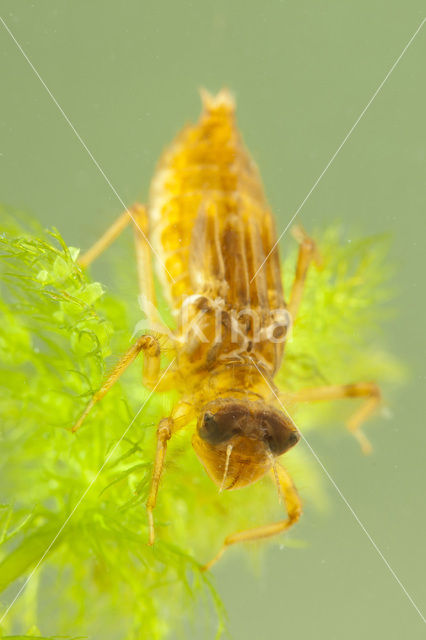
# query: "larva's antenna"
[225,473]
[277,480]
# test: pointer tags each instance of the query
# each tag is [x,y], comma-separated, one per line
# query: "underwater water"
[127,78]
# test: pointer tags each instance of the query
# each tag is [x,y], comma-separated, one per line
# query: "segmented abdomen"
[210,222]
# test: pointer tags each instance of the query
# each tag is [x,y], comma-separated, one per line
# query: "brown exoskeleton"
[214,239]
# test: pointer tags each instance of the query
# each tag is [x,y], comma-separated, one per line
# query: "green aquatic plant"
[73,528]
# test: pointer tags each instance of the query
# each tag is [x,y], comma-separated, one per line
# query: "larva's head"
[237,440]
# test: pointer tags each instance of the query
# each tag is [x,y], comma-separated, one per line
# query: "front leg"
[294,511]
[164,433]
[181,415]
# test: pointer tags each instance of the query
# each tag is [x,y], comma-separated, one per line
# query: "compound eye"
[280,443]
[208,429]
[221,426]
[279,436]
[214,431]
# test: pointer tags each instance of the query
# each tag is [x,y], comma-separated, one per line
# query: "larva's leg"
[294,511]
[151,371]
[137,215]
[368,390]
[164,433]
[308,252]
[144,266]
[182,414]
[124,219]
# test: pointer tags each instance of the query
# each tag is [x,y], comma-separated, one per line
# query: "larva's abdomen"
[211,225]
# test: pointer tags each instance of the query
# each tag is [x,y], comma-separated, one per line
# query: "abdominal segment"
[212,230]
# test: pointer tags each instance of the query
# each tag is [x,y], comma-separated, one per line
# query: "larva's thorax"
[212,230]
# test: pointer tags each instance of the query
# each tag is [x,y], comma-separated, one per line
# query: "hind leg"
[113,232]
[308,253]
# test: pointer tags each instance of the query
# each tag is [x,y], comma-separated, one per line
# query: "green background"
[127,74]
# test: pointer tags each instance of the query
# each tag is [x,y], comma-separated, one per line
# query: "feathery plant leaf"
[58,332]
